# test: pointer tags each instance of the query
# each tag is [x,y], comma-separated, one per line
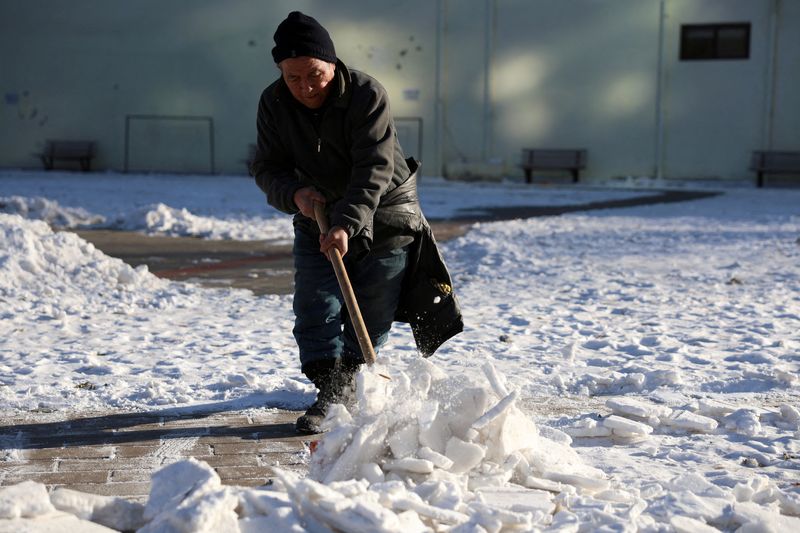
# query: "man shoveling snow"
[326,135]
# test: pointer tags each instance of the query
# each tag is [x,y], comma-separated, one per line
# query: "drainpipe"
[438,104]
[770,76]
[487,79]
[659,140]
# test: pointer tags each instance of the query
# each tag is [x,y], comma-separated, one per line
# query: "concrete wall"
[76,69]
[79,68]
[584,76]
[714,110]
[484,77]
[784,133]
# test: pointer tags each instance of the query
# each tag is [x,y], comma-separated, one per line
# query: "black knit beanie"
[301,35]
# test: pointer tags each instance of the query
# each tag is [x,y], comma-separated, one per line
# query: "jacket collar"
[344,88]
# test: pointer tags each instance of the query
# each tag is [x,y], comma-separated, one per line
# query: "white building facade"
[668,88]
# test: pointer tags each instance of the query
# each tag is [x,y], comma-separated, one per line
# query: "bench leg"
[528,177]
[575,175]
[85,164]
[760,179]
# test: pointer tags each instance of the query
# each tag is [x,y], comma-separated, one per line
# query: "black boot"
[336,381]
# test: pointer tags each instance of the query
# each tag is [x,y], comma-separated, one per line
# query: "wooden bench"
[774,162]
[573,160]
[80,151]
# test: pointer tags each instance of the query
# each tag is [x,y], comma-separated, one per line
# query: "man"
[326,134]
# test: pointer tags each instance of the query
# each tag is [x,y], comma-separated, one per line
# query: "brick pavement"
[115,454]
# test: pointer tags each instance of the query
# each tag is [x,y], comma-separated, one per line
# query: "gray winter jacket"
[348,150]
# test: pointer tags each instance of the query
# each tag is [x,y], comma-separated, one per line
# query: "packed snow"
[625,369]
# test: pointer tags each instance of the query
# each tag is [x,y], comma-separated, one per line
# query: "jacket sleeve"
[272,166]
[372,153]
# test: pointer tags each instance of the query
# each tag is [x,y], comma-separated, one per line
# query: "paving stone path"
[115,454]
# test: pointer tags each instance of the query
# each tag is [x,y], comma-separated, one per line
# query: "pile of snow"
[157,218]
[165,220]
[39,208]
[424,451]
[88,331]
[56,274]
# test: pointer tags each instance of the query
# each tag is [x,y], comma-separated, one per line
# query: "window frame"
[684,54]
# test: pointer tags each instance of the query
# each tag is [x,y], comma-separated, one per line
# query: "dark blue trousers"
[323,329]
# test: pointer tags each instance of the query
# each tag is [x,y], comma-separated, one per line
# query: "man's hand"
[304,200]
[337,238]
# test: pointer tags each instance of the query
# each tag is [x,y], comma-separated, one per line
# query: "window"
[715,41]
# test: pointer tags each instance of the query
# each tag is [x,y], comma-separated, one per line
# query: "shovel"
[335,257]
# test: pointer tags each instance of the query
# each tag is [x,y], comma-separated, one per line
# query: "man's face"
[308,78]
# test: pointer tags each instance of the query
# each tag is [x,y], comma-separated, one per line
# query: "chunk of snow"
[262,502]
[682,419]
[555,435]
[177,482]
[790,413]
[588,428]
[409,464]
[685,524]
[367,442]
[437,459]
[496,380]
[714,408]
[521,501]
[632,407]
[24,500]
[202,511]
[464,455]
[371,472]
[534,482]
[116,513]
[754,517]
[499,410]
[625,426]
[404,441]
[744,421]
[696,484]
[56,522]
[583,482]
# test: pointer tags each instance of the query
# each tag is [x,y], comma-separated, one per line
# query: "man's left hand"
[337,238]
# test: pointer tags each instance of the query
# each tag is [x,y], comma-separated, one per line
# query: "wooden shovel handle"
[347,289]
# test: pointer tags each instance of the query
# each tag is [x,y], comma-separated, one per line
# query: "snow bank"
[39,208]
[95,328]
[165,220]
[157,218]
[37,264]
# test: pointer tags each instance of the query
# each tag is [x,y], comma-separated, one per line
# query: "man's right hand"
[304,200]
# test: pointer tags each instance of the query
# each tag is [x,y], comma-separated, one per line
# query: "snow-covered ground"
[629,369]
[223,207]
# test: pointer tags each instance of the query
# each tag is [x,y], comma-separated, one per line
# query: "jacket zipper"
[319,144]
